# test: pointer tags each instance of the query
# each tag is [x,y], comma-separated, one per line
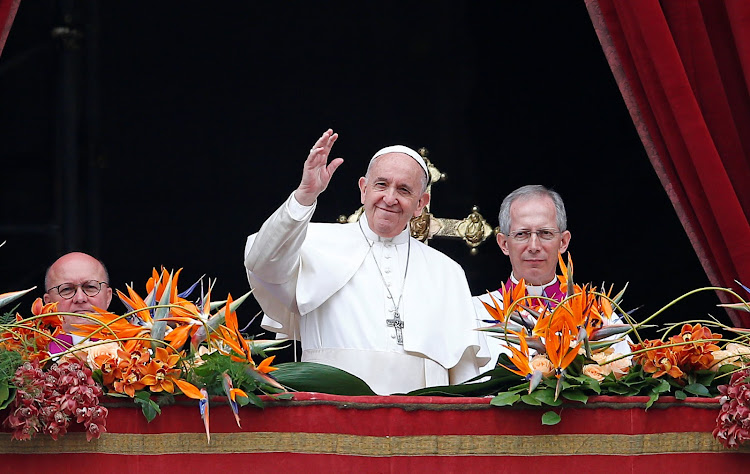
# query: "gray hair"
[423,178]
[527,192]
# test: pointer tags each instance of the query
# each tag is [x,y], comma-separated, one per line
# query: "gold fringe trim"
[355,445]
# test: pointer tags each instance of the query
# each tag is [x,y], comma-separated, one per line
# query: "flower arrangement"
[167,344]
[733,424]
[162,346]
[565,350]
[47,401]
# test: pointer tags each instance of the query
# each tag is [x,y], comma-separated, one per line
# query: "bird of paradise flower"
[554,329]
[153,336]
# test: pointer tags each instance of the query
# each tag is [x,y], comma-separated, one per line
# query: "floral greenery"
[165,345]
[162,346]
[579,364]
[9,363]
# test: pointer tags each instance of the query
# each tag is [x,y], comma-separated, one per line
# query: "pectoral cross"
[398,324]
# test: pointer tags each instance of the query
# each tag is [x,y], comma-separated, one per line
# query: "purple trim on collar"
[61,343]
[552,291]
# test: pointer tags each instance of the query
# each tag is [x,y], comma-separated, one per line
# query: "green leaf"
[149,407]
[142,395]
[505,399]
[254,400]
[705,377]
[550,418]
[697,389]
[575,395]
[282,396]
[98,377]
[593,385]
[9,400]
[680,395]
[241,401]
[4,390]
[620,389]
[663,386]
[547,396]
[118,395]
[531,400]
[7,393]
[312,377]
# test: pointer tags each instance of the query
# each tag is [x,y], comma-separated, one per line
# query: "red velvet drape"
[683,67]
[8,10]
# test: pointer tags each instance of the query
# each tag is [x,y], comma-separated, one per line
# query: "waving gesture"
[317,172]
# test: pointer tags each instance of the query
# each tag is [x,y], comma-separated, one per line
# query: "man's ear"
[423,202]
[362,185]
[565,241]
[109,296]
[46,298]
[502,242]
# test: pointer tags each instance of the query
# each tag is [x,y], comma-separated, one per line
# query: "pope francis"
[366,297]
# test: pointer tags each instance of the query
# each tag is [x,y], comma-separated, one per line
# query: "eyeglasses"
[68,290]
[525,235]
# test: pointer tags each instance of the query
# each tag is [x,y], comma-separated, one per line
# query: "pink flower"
[47,401]
[733,423]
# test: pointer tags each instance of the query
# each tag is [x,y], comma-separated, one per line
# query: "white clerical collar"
[533,290]
[401,238]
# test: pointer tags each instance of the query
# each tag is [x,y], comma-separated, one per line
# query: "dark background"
[182,125]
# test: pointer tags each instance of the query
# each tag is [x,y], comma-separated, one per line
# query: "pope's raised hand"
[317,171]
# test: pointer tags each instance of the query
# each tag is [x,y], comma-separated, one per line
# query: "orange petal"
[188,389]
[265,365]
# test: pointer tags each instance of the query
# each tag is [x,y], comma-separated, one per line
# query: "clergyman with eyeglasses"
[78,282]
[533,233]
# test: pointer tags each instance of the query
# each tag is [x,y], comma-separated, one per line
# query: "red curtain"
[683,67]
[8,10]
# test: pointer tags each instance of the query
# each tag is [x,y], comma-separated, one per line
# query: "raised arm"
[317,172]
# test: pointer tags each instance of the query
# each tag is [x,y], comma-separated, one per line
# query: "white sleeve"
[272,263]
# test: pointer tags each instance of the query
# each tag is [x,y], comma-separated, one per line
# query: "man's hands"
[317,172]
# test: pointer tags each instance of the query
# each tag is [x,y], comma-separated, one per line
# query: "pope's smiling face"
[536,259]
[392,193]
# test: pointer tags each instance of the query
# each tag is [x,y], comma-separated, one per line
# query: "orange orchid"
[31,337]
[129,381]
[657,360]
[159,374]
[38,308]
[692,354]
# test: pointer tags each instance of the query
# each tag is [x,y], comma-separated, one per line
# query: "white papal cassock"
[320,283]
